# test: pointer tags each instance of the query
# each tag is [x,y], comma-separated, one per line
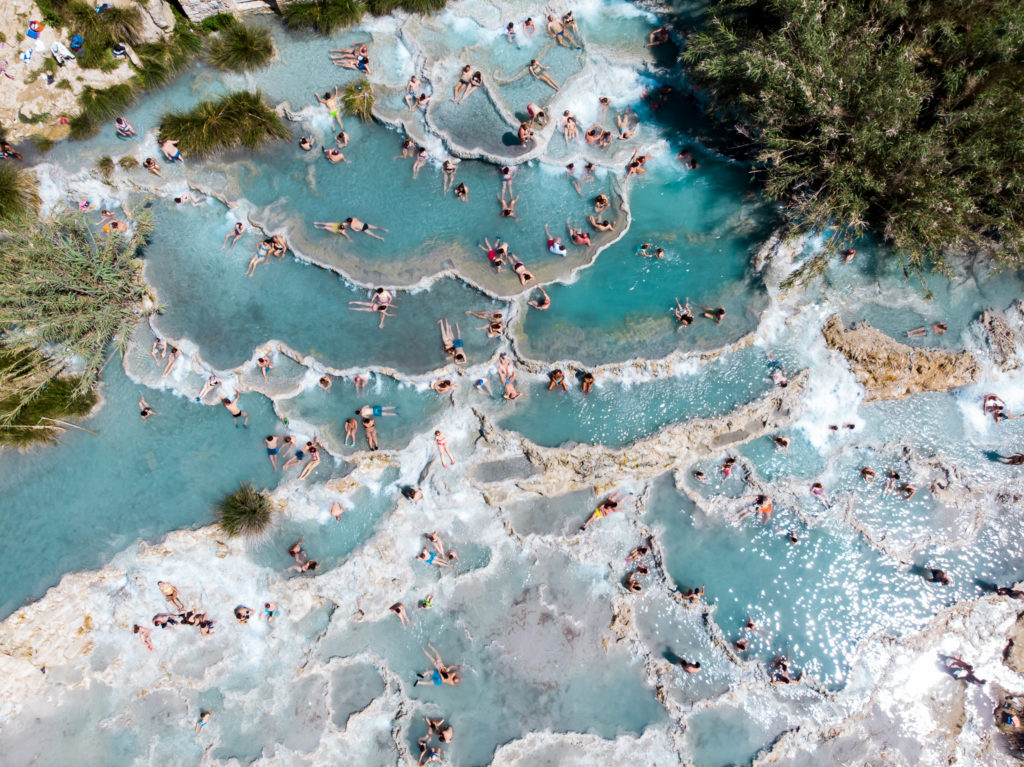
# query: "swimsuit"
[299,454]
[271,451]
[437,674]
[597,513]
[430,561]
[457,343]
[378,410]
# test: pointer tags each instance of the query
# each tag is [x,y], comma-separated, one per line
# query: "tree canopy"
[902,118]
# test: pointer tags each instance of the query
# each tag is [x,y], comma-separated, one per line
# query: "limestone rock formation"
[1000,338]
[891,370]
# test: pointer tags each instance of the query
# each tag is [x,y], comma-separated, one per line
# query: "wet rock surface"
[891,370]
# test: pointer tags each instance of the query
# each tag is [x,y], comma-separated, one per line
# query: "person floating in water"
[762,506]
[540,72]
[683,314]
[399,609]
[236,232]
[381,302]
[713,314]
[452,343]
[360,226]
[441,673]
[145,411]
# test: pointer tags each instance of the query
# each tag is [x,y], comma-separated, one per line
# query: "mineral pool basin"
[534,658]
[206,297]
[814,600]
[622,307]
[71,506]
[616,413]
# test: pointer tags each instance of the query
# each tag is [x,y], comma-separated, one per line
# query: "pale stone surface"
[36,97]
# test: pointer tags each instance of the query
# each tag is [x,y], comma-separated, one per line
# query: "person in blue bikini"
[376,411]
[204,717]
[440,674]
[432,558]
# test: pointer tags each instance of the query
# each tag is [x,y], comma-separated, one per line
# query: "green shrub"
[241,48]
[50,65]
[99,105]
[33,119]
[357,99]
[901,119]
[127,162]
[217,22]
[239,119]
[245,513]
[323,16]
[32,398]
[18,196]
[382,7]
[423,6]
[71,288]
[42,143]
[63,84]
[105,165]
[161,61]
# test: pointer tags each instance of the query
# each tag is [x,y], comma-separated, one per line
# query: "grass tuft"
[241,48]
[25,422]
[323,16]
[245,513]
[357,99]
[18,195]
[98,106]
[69,288]
[239,119]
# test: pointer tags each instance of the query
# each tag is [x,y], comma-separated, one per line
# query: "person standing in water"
[236,412]
[271,444]
[331,102]
[448,175]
